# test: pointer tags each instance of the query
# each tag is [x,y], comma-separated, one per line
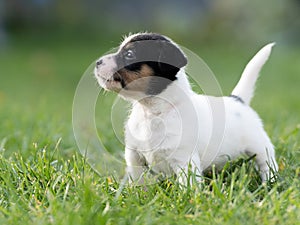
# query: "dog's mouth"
[113,83]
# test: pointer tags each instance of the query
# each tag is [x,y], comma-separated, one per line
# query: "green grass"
[44,180]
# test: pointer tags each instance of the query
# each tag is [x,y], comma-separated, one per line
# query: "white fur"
[178,128]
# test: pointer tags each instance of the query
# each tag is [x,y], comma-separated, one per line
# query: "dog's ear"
[170,60]
[172,55]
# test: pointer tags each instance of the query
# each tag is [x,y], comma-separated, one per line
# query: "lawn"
[45,180]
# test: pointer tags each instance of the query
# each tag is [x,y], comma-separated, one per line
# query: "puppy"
[172,130]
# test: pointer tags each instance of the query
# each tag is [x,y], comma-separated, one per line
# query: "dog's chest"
[152,133]
[155,137]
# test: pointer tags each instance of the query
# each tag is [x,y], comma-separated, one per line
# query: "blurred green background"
[46,45]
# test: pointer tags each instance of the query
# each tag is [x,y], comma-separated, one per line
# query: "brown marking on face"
[136,80]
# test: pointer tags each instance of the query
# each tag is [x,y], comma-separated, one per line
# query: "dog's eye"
[129,55]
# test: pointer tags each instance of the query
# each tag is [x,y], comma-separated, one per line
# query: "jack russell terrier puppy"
[172,130]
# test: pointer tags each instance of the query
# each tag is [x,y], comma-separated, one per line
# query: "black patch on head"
[159,53]
[148,37]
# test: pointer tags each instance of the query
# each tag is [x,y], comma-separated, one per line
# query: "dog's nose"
[99,62]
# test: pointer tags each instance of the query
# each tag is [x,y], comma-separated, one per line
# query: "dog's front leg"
[136,166]
[190,173]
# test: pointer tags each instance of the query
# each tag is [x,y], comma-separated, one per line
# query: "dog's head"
[144,62]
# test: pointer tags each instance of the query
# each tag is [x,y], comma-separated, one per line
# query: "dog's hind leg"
[265,157]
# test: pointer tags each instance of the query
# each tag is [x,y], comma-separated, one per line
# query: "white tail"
[246,85]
